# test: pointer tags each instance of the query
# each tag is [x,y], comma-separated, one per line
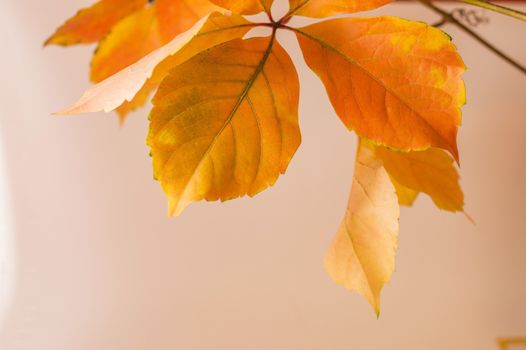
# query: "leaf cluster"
[224,121]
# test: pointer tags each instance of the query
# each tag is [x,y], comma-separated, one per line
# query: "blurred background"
[90,260]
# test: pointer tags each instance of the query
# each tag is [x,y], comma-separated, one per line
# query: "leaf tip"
[176,207]
[58,40]
[453,149]
[375,304]
[49,41]
[66,111]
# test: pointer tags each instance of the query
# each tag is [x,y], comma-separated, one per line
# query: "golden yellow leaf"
[92,24]
[406,196]
[123,86]
[245,7]
[396,82]
[225,123]
[362,256]
[432,172]
[324,8]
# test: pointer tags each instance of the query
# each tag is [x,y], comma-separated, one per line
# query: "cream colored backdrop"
[98,265]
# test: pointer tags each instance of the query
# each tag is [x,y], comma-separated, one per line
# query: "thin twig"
[497,8]
[450,18]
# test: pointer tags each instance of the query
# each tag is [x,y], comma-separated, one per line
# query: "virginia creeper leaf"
[93,23]
[362,256]
[324,8]
[225,123]
[432,172]
[395,82]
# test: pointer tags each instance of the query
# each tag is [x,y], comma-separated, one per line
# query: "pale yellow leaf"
[362,257]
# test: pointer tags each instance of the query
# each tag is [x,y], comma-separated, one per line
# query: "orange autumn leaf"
[129,41]
[92,24]
[177,16]
[396,82]
[362,256]
[245,7]
[324,8]
[432,172]
[225,123]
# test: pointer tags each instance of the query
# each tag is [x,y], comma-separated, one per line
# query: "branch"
[448,17]
[497,8]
